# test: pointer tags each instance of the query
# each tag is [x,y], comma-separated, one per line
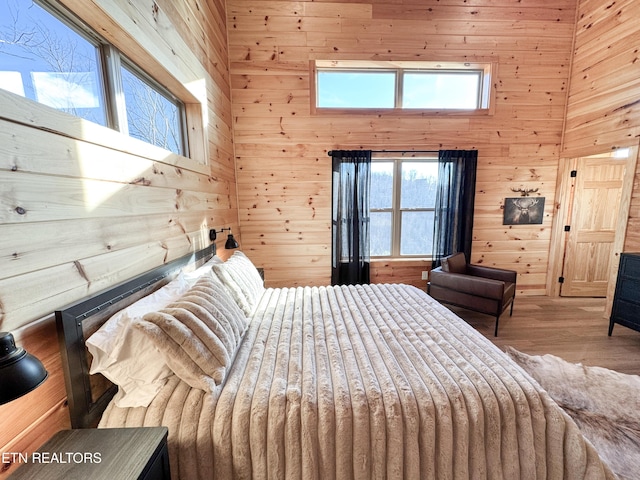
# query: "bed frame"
[88,395]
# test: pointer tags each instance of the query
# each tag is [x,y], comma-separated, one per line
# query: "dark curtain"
[455,197]
[350,218]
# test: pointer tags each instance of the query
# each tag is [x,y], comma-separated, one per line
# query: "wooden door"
[592,230]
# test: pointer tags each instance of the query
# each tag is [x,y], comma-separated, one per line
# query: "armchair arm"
[479,286]
[491,272]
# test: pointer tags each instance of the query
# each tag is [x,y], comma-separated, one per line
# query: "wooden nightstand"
[99,454]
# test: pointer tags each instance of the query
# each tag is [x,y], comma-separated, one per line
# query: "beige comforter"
[366,382]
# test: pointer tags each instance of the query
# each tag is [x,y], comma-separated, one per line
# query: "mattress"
[365,382]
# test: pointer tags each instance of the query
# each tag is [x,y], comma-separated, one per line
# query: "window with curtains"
[402,203]
[399,207]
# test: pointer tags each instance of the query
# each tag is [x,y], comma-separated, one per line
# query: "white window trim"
[396,210]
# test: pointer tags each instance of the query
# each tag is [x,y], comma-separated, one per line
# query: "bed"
[342,382]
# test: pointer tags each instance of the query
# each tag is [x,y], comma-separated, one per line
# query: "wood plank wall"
[84,207]
[283,170]
[67,245]
[603,110]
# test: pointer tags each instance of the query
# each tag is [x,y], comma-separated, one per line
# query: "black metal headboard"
[88,395]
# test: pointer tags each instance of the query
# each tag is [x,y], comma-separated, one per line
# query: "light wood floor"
[571,328]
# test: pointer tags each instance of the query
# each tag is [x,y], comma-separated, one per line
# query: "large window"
[403,194]
[399,86]
[49,56]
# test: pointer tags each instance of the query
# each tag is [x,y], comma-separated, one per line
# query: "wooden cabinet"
[626,300]
[99,454]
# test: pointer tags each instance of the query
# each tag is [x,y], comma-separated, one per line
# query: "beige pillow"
[242,279]
[198,334]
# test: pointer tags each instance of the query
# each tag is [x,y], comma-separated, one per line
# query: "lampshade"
[20,372]
[231,242]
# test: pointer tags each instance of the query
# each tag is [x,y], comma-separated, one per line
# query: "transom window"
[48,55]
[402,205]
[402,85]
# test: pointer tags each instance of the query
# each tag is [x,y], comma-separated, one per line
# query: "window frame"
[396,209]
[396,81]
[80,28]
[109,61]
[480,97]
[126,63]
[486,92]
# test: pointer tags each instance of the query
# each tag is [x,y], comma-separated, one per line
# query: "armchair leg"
[495,333]
[511,311]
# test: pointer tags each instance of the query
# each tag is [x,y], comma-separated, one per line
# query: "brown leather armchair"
[481,289]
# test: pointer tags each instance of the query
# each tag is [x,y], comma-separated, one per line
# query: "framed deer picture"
[524,210]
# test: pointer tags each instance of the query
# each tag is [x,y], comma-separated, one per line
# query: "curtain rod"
[330,152]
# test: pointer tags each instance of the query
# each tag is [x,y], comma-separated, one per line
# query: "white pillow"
[193,276]
[241,278]
[126,356]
